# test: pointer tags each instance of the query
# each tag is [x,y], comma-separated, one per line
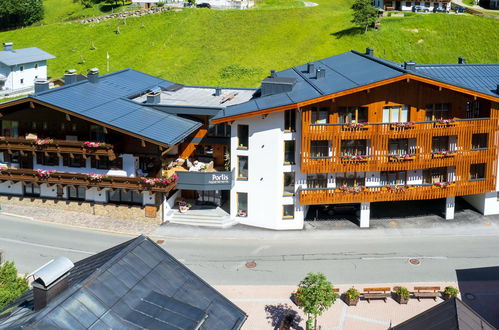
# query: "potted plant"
[402,294]
[352,297]
[449,292]
[183,206]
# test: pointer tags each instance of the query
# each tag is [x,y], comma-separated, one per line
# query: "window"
[417,3]
[473,109]
[350,179]
[408,4]
[242,172]
[319,148]
[21,68]
[479,141]
[288,211]
[75,161]
[221,130]
[31,189]
[10,128]
[289,183]
[242,136]
[97,133]
[477,171]
[320,116]
[437,111]
[13,157]
[352,115]
[289,121]
[398,147]
[440,143]
[353,147]
[121,196]
[103,163]
[48,159]
[435,175]
[396,114]
[242,204]
[427,4]
[317,180]
[21,81]
[289,152]
[36,65]
[393,178]
[77,193]
[204,150]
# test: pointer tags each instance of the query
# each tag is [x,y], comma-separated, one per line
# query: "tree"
[11,285]
[364,14]
[17,13]
[315,295]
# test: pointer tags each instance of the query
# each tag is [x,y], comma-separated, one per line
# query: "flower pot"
[351,302]
[183,209]
[401,300]
[446,296]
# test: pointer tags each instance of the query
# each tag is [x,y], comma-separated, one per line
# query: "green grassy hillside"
[201,46]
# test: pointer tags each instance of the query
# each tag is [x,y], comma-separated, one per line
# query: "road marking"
[45,246]
[387,258]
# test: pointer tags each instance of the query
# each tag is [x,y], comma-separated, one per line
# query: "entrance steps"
[207,217]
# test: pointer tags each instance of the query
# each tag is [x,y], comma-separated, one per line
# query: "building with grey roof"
[19,68]
[134,285]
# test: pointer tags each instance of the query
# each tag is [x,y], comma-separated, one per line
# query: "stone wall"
[105,210]
[126,14]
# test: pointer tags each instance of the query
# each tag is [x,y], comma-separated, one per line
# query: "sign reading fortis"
[204,180]
[219,179]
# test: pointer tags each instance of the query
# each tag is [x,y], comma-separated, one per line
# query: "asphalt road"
[345,260]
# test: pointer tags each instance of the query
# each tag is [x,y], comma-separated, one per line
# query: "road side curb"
[17,216]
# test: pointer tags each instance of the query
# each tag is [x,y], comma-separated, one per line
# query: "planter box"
[401,300]
[351,302]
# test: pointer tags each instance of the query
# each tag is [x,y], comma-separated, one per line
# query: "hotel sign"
[204,180]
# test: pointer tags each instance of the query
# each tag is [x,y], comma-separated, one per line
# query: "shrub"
[402,292]
[352,294]
[451,291]
[11,285]
[17,13]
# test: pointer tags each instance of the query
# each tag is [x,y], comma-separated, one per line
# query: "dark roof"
[24,55]
[134,285]
[107,101]
[450,314]
[353,69]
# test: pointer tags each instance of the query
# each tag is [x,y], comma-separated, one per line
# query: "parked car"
[341,209]
[420,9]
[440,10]
[203,5]
[460,9]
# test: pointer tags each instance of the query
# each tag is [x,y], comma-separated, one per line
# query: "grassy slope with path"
[233,47]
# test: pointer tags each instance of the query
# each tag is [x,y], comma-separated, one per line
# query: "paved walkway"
[266,307]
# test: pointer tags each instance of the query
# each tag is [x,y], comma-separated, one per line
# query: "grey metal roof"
[450,314]
[107,101]
[135,285]
[353,69]
[52,270]
[24,55]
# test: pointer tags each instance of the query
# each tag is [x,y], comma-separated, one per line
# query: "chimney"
[369,51]
[218,91]
[272,74]
[461,60]
[310,68]
[93,75]
[70,77]
[410,65]
[41,85]
[51,280]
[320,73]
[154,96]
[7,46]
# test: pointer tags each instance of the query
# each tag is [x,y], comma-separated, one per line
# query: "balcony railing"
[57,146]
[89,180]
[394,193]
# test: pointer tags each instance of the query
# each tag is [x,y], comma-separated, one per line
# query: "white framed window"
[396,114]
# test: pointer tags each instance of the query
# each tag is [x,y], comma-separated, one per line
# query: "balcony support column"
[450,204]
[365,214]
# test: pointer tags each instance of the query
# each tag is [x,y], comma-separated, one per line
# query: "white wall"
[265,173]
[168,205]
[28,74]
[48,191]
[11,188]
[94,195]
[485,203]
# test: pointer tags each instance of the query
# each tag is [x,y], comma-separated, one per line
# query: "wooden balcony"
[379,136]
[383,194]
[56,146]
[81,179]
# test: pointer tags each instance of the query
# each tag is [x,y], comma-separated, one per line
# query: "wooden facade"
[417,97]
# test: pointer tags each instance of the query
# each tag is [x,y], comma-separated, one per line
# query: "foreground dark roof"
[24,55]
[108,101]
[353,69]
[450,314]
[135,285]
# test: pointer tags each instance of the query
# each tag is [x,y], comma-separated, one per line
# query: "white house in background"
[19,68]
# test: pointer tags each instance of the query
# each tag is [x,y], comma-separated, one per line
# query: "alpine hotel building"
[349,129]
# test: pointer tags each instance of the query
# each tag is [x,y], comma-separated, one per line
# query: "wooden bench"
[376,293]
[426,292]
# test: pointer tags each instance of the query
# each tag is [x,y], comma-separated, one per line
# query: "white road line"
[45,246]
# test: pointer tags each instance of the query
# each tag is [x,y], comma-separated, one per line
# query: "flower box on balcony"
[355,126]
[97,177]
[94,145]
[443,154]
[44,174]
[402,125]
[43,142]
[443,185]
[352,190]
[445,122]
[397,188]
[402,157]
[355,158]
